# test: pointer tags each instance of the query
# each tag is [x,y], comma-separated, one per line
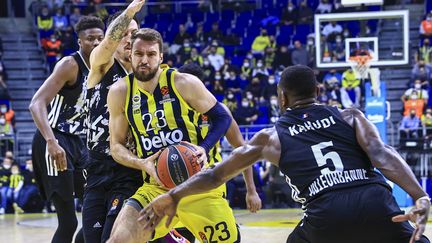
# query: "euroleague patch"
[114,204]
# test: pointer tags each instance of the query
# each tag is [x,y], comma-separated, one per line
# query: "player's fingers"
[401,218]
[144,214]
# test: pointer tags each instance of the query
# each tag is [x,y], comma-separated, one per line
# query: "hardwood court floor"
[267,226]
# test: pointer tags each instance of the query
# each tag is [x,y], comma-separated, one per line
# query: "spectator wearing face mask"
[323,97]
[5,172]
[409,125]
[52,50]
[246,68]
[254,89]
[60,21]
[184,52]
[338,49]
[290,14]
[421,71]
[230,101]
[208,70]
[331,79]
[45,23]
[270,89]
[260,70]
[181,35]
[305,13]
[414,103]
[227,67]
[299,55]
[351,84]
[9,114]
[247,113]
[274,111]
[232,83]
[424,52]
[419,92]
[260,43]
[269,57]
[426,27]
[195,57]
[218,87]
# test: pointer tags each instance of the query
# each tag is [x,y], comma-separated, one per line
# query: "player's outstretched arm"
[103,55]
[264,145]
[64,72]
[392,165]
[235,138]
[119,128]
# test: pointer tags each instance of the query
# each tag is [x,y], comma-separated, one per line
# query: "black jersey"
[98,131]
[320,153]
[66,110]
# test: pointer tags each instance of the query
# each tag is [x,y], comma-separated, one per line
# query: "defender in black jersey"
[59,154]
[108,183]
[328,157]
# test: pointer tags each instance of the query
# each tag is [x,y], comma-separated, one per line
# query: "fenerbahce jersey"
[320,153]
[163,118]
[66,111]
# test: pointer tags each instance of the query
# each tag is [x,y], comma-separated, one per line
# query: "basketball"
[176,164]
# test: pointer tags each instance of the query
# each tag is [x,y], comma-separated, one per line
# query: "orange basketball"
[176,164]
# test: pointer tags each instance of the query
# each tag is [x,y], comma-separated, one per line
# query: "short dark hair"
[89,22]
[112,17]
[194,69]
[298,80]
[148,34]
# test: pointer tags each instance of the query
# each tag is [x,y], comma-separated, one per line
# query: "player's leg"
[209,217]
[126,227]
[67,221]
[114,206]
[93,213]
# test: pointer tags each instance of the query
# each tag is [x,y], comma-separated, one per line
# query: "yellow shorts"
[208,215]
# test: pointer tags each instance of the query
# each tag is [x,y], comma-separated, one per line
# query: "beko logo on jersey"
[318,124]
[162,139]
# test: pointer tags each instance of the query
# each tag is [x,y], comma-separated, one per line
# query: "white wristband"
[424,198]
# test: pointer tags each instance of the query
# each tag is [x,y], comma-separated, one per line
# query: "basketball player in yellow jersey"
[160,106]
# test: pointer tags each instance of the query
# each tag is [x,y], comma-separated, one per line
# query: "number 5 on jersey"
[321,158]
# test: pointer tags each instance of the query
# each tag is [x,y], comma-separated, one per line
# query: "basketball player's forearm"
[125,157]
[39,113]
[397,170]
[248,179]
[119,25]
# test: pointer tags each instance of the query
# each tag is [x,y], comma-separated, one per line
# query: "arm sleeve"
[220,122]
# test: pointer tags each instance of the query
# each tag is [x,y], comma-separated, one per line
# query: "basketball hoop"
[361,65]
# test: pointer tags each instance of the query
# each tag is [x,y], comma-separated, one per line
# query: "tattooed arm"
[102,57]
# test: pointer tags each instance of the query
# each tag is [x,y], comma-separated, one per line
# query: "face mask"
[53,39]
[3,110]
[245,104]
[249,96]
[206,63]
[186,44]
[273,102]
[310,42]
[14,172]
[246,64]
[249,56]
[259,64]
[417,86]
[271,81]
[346,34]
[7,166]
[290,8]
[233,78]
[230,96]
[414,97]
[217,77]
[28,167]
[338,40]
[2,121]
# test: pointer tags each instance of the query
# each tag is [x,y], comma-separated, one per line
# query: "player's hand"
[253,201]
[136,5]
[148,165]
[157,209]
[57,154]
[418,215]
[199,152]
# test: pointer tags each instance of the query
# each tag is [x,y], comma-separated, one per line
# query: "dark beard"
[145,77]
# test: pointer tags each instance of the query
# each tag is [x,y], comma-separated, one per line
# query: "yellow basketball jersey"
[162,118]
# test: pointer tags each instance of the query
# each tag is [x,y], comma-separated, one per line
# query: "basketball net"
[361,66]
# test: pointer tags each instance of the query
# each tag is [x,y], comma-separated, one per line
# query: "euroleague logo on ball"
[174,157]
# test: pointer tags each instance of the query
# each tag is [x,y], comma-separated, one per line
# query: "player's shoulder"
[119,87]
[185,79]
[350,114]
[266,135]
[67,63]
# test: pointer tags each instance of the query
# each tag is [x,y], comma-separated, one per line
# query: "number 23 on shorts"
[217,233]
